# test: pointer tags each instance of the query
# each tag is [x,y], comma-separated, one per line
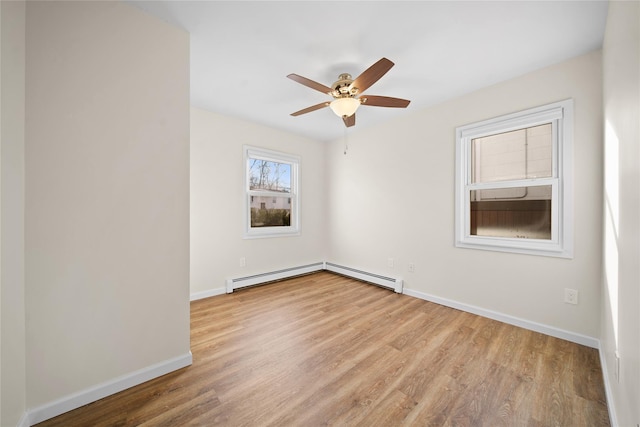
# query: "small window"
[271,193]
[513,190]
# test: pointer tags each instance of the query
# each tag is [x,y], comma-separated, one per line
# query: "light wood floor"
[327,350]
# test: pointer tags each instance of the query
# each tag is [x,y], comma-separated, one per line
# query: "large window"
[271,193]
[513,182]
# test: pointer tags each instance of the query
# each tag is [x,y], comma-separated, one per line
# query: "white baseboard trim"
[613,419]
[206,294]
[81,398]
[516,321]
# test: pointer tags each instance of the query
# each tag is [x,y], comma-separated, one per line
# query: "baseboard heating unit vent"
[385,282]
[256,279]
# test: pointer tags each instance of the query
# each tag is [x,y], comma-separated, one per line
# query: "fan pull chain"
[346,141]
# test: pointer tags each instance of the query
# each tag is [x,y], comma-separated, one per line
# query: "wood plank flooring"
[324,350]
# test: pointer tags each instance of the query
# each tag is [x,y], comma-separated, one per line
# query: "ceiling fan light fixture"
[344,107]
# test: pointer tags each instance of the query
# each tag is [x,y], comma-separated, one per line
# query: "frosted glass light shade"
[344,106]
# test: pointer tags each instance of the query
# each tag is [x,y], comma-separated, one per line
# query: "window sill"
[269,233]
[519,246]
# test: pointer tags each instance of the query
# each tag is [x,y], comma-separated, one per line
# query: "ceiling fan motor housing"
[341,87]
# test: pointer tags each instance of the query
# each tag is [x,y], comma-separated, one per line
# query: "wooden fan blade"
[310,83]
[310,109]
[349,121]
[371,75]
[383,101]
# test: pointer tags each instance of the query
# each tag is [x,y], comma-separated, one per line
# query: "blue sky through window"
[268,175]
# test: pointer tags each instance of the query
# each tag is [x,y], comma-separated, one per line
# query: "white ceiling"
[242,51]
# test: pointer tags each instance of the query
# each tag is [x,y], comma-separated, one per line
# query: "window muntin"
[271,193]
[512,182]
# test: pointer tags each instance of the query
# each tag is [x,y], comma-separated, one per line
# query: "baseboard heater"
[376,279]
[394,284]
[256,279]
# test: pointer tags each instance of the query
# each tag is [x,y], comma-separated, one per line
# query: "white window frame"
[293,229]
[560,115]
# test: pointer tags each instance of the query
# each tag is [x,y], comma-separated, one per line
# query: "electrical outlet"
[570,296]
[243,262]
[411,267]
[390,263]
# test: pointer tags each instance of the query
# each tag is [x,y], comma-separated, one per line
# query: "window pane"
[522,212]
[270,211]
[268,175]
[520,154]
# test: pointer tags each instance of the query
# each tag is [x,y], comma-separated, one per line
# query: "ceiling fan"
[348,95]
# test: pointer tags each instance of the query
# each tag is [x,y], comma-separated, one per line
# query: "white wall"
[217,242]
[621,286]
[107,195]
[391,196]
[12,291]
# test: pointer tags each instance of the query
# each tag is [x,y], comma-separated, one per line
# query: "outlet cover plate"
[570,296]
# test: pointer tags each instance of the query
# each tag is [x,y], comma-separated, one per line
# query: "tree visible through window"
[271,186]
[270,177]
